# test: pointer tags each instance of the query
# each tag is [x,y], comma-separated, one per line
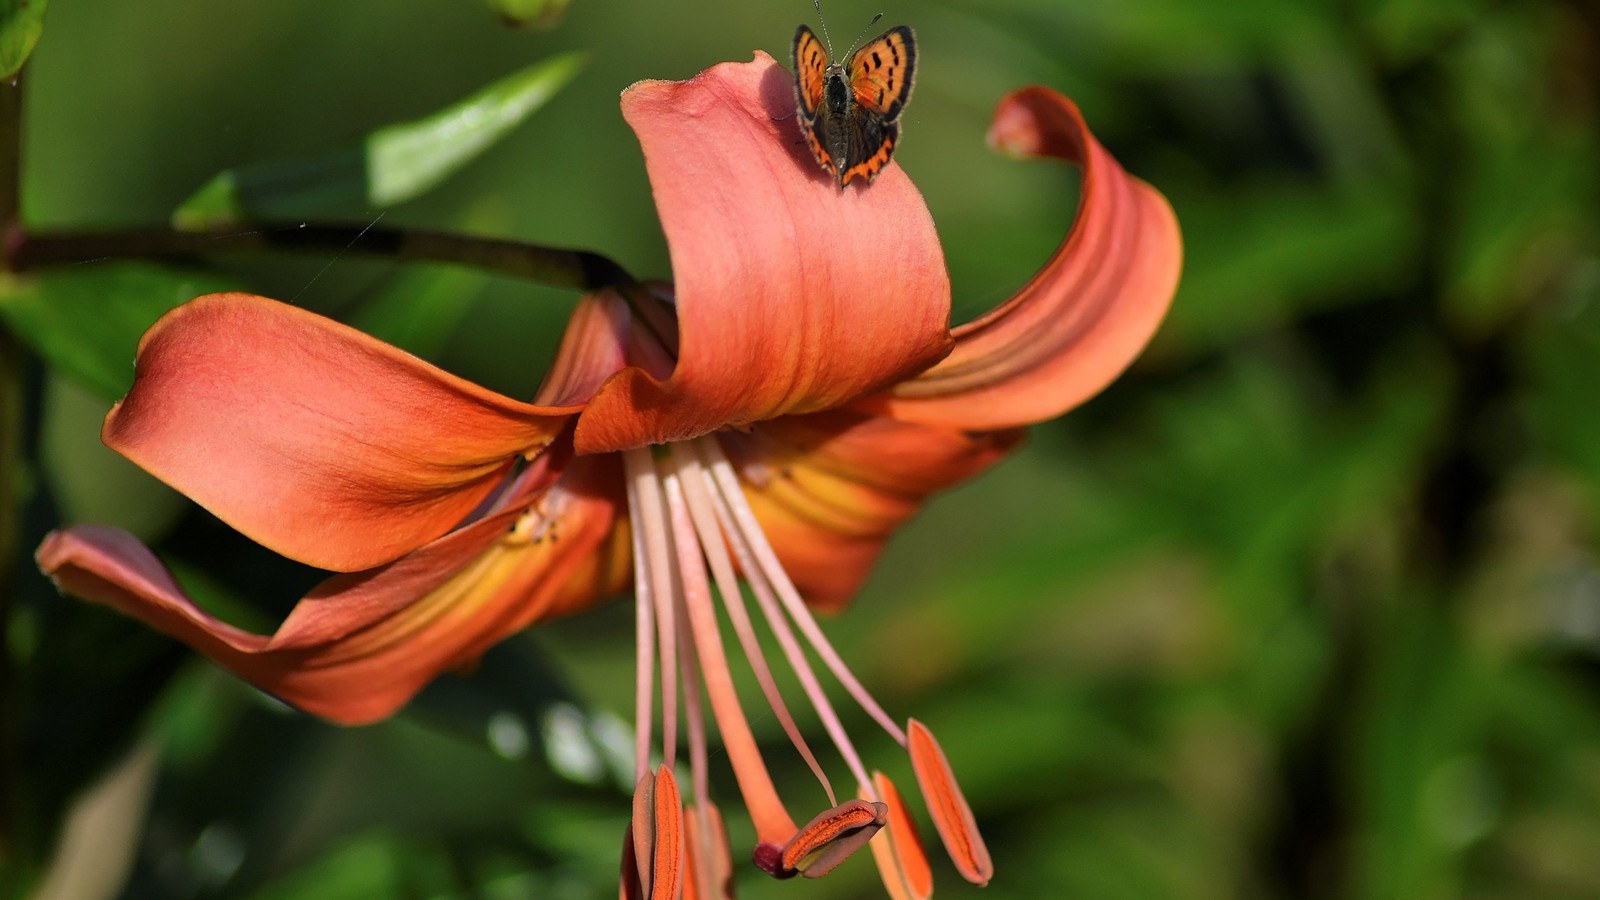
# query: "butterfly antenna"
[858,37]
[824,23]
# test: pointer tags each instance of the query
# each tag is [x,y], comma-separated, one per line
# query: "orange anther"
[951,814]
[832,836]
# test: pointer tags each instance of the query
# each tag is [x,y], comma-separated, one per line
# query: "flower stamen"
[709,874]
[902,863]
[766,810]
[831,837]
[745,521]
[761,587]
[688,511]
[951,814]
[711,533]
[654,846]
[654,579]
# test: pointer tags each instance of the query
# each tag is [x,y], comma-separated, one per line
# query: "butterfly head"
[828,40]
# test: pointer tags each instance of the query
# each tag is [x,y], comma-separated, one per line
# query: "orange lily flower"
[773,416]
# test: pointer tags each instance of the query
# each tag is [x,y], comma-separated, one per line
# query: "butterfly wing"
[872,143]
[881,72]
[810,64]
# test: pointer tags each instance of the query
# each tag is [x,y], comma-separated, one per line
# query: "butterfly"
[849,113]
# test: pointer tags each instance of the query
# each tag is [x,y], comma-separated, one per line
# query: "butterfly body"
[849,111]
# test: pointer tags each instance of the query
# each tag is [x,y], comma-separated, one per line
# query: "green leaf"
[21,23]
[538,13]
[86,320]
[1523,188]
[392,165]
[421,307]
[405,160]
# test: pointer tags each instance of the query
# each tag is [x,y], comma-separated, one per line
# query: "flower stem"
[578,269]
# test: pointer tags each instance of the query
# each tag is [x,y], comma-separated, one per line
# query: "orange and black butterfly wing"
[882,72]
[810,71]
[810,64]
[872,140]
[881,75]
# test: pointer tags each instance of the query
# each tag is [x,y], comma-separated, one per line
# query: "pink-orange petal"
[948,806]
[318,441]
[1084,317]
[830,488]
[792,296]
[593,348]
[360,645]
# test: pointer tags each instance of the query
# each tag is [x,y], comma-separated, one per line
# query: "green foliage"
[539,13]
[21,24]
[393,164]
[86,320]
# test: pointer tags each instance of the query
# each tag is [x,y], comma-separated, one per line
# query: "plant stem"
[11,401]
[577,269]
[11,152]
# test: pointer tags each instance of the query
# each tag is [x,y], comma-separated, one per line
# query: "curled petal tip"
[779,308]
[1084,317]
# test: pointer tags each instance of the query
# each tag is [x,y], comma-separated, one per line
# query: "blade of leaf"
[21,23]
[86,320]
[538,13]
[392,165]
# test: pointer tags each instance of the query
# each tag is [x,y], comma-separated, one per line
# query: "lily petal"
[360,645]
[315,440]
[830,488]
[593,348]
[1084,317]
[792,296]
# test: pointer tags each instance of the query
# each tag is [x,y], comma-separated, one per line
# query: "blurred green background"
[1306,605]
